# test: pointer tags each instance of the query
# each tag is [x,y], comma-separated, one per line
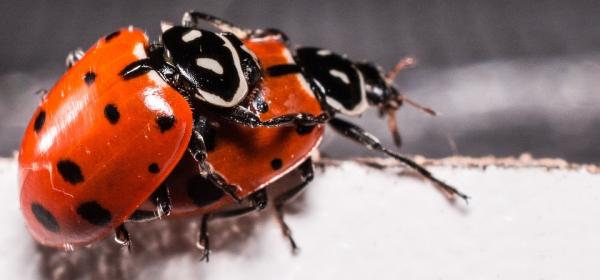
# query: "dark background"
[508,76]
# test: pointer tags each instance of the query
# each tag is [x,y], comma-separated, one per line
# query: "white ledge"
[358,222]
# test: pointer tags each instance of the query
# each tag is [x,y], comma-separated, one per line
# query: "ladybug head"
[217,65]
[349,88]
[382,93]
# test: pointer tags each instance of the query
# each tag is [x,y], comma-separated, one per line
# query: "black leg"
[258,201]
[73,56]
[161,199]
[243,116]
[197,148]
[203,243]
[122,237]
[192,19]
[42,93]
[137,68]
[307,170]
[155,62]
[366,139]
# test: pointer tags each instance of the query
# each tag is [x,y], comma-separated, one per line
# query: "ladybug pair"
[194,124]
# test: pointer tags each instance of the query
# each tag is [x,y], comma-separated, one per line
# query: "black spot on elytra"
[94,213]
[112,36]
[89,78]
[39,121]
[112,113]
[202,192]
[153,168]
[165,122]
[276,163]
[45,217]
[304,129]
[70,171]
[283,69]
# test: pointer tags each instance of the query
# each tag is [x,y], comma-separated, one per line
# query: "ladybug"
[98,146]
[108,134]
[305,79]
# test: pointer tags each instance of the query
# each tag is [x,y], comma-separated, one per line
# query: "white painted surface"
[355,223]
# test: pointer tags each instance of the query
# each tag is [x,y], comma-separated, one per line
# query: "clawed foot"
[203,246]
[122,237]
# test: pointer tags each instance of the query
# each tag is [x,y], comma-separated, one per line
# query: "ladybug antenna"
[404,63]
[390,107]
[402,98]
[396,99]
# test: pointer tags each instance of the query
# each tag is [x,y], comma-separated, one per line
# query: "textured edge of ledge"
[525,160]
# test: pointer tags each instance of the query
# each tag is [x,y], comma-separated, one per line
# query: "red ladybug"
[98,146]
[108,134]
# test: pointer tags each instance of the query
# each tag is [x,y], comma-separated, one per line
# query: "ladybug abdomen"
[98,145]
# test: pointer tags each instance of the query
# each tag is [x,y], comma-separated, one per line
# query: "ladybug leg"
[307,170]
[73,56]
[258,201]
[122,237]
[193,18]
[42,93]
[243,116]
[155,61]
[137,68]
[203,243]
[161,199]
[197,148]
[372,143]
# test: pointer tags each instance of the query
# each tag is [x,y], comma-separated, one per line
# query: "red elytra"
[251,158]
[85,165]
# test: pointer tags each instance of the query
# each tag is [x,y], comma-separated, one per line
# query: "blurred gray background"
[508,76]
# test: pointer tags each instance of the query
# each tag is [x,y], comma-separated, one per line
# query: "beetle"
[106,136]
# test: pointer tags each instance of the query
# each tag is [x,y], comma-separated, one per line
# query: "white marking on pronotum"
[210,64]
[191,35]
[360,107]
[242,89]
[340,75]
[323,52]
